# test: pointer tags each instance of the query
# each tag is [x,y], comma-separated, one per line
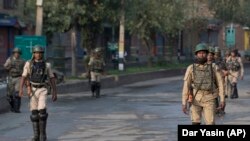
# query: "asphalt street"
[144,111]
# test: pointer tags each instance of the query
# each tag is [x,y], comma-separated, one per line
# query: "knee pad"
[43,114]
[34,117]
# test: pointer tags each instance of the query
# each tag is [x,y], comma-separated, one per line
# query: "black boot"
[93,88]
[196,123]
[17,103]
[98,89]
[35,122]
[42,124]
[234,92]
[10,99]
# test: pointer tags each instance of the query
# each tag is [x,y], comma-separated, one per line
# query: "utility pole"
[121,37]
[39,17]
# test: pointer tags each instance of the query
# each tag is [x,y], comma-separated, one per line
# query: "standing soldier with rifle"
[14,65]
[224,72]
[37,71]
[236,71]
[96,65]
[206,84]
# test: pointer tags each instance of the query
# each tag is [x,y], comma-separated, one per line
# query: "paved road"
[145,111]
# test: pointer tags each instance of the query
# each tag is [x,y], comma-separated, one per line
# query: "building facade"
[11,13]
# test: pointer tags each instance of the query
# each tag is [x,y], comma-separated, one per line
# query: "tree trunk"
[73,51]
[149,52]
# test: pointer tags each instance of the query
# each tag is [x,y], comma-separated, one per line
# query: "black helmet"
[37,48]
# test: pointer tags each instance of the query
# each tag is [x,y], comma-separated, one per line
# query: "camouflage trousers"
[13,86]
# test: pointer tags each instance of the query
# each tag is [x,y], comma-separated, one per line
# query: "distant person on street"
[14,65]
[236,72]
[96,66]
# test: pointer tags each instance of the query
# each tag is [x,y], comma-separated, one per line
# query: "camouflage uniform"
[236,70]
[204,84]
[96,65]
[15,68]
[221,67]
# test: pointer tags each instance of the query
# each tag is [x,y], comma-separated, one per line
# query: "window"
[10,4]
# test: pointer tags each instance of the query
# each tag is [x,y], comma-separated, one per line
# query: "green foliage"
[147,16]
[227,10]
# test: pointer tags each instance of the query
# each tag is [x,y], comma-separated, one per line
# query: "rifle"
[89,76]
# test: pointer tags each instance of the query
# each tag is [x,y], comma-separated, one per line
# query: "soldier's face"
[38,55]
[201,54]
[233,54]
[16,55]
[210,57]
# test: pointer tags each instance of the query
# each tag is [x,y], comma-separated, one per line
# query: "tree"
[144,18]
[226,10]
[72,15]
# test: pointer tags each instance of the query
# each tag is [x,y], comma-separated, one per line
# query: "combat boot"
[234,91]
[43,115]
[196,123]
[10,99]
[34,117]
[16,104]
[93,88]
[98,89]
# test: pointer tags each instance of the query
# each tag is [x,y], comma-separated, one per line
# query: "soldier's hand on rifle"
[184,109]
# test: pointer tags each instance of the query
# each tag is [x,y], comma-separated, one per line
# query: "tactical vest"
[97,65]
[203,78]
[221,64]
[16,68]
[233,65]
[38,72]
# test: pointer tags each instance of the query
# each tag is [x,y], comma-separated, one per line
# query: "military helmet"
[201,47]
[211,50]
[97,50]
[17,50]
[217,50]
[37,48]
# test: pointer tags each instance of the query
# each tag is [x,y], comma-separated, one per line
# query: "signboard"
[112,46]
[230,37]
[26,43]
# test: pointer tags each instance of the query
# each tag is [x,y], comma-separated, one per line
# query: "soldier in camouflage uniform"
[235,71]
[203,84]
[14,65]
[224,73]
[96,65]
[38,71]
